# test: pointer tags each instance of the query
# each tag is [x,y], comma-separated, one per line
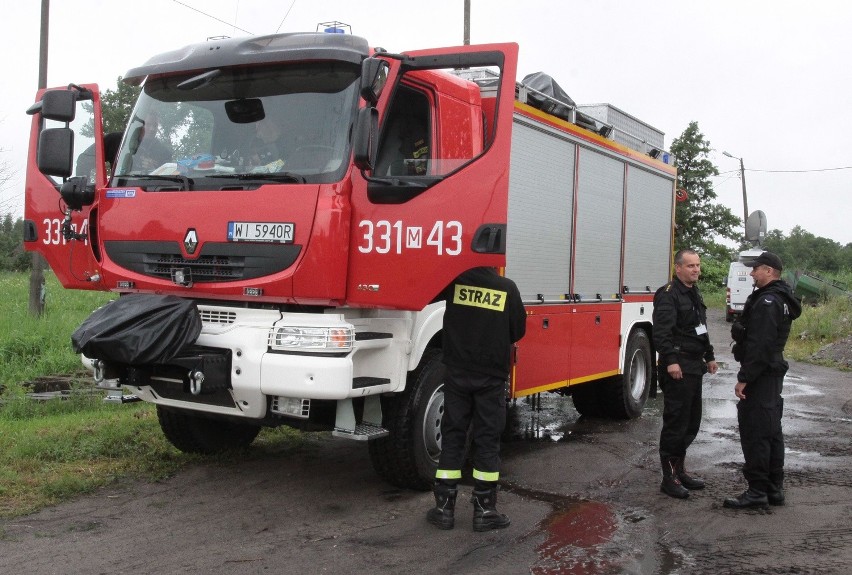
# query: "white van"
[739,284]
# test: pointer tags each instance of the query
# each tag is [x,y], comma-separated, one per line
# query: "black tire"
[408,456]
[625,395]
[193,433]
[587,399]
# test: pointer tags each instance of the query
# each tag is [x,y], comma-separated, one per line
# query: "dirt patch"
[839,352]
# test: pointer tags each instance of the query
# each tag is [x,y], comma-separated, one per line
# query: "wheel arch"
[426,333]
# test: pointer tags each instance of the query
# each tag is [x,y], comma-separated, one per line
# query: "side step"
[362,432]
[347,427]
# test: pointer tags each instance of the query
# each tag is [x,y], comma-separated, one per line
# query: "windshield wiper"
[185,181]
[266,177]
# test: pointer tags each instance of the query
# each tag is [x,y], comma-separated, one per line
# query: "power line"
[800,171]
[720,174]
[293,3]
[213,17]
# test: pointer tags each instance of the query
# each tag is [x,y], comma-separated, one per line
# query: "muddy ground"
[582,494]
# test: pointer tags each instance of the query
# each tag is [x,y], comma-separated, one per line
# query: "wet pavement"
[583,495]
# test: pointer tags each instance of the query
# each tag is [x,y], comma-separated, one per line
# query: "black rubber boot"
[687,480]
[750,498]
[671,485]
[775,489]
[443,514]
[485,514]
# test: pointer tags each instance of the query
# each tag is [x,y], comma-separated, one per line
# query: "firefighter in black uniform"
[483,318]
[759,336]
[681,339]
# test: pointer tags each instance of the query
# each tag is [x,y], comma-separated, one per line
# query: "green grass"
[54,450]
[818,326]
[31,347]
[60,449]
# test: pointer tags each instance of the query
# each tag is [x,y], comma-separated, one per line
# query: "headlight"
[330,339]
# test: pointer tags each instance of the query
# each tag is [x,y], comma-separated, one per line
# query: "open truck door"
[433,152]
[66,165]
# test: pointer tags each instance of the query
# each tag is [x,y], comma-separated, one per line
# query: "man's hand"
[739,390]
[675,371]
[712,366]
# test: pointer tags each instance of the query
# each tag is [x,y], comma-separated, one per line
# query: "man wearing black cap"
[682,341]
[760,336]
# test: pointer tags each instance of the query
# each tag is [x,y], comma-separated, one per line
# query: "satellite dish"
[755,227]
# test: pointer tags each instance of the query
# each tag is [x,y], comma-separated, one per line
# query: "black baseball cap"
[766,259]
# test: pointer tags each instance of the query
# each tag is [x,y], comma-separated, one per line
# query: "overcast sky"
[767,80]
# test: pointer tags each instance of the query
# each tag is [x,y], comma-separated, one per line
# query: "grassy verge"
[31,347]
[55,450]
[818,326]
[52,451]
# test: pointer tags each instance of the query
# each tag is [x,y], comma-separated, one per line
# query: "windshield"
[239,128]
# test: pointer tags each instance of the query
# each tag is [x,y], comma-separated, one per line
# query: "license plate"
[281,233]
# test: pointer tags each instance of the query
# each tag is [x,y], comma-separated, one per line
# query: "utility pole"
[36,305]
[745,198]
[467,22]
[742,177]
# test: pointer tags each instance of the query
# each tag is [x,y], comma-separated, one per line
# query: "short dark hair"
[678,259]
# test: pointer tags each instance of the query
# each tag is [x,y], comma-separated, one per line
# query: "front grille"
[204,269]
[216,262]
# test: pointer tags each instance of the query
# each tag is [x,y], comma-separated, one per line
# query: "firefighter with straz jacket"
[760,336]
[483,318]
[683,344]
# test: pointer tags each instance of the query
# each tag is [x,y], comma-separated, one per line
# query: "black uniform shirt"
[679,314]
[484,316]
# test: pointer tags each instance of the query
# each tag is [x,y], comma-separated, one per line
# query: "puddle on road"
[550,417]
[542,417]
[586,537]
[574,534]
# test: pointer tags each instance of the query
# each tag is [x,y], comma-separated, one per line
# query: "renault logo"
[190,241]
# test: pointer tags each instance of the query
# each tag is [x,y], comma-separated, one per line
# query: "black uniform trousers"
[761,437]
[681,413]
[480,399]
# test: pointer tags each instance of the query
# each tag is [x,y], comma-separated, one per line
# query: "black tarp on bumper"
[139,329]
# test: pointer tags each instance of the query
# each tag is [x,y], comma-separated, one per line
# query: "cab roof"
[218,53]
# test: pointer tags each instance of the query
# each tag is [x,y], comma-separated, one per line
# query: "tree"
[116,107]
[183,126]
[804,251]
[12,254]
[700,221]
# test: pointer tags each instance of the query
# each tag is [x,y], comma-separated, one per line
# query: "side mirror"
[374,75]
[366,132]
[59,105]
[56,152]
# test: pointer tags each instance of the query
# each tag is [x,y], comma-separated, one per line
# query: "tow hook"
[98,369]
[196,378]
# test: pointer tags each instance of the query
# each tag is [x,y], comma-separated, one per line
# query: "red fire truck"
[314,266]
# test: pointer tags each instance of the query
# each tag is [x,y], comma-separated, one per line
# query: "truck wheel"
[192,433]
[587,400]
[626,394]
[408,456]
